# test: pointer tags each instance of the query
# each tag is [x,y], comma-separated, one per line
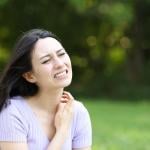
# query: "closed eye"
[61,54]
[45,61]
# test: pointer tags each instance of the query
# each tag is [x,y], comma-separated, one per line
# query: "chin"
[65,84]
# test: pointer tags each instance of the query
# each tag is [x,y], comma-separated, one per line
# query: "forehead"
[46,46]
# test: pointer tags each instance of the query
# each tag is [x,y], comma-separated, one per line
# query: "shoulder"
[10,109]
[13,125]
[14,106]
[79,107]
[13,114]
[81,113]
[81,128]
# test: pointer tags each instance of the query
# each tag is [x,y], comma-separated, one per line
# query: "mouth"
[61,74]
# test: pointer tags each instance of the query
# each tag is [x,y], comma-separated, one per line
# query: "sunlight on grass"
[120,126]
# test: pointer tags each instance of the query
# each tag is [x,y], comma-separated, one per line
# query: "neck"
[47,100]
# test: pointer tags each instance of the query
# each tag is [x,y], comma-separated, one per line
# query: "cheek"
[46,69]
[69,65]
[43,70]
[68,61]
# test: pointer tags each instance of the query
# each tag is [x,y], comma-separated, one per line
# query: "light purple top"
[18,123]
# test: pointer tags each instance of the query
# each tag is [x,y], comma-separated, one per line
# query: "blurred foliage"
[108,41]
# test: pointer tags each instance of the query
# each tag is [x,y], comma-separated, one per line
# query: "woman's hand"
[64,113]
[62,121]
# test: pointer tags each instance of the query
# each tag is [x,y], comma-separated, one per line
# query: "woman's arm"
[13,146]
[62,122]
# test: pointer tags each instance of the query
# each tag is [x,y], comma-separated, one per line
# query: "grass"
[120,125]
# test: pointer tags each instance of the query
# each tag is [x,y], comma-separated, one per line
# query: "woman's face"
[51,64]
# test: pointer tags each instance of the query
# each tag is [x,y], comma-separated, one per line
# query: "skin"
[52,105]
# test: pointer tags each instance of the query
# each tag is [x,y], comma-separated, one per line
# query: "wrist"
[57,141]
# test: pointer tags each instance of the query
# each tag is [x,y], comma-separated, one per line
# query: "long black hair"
[12,82]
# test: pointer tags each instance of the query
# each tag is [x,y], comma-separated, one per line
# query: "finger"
[64,100]
[64,96]
[69,104]
[61,107]
[70,97]
[67,99]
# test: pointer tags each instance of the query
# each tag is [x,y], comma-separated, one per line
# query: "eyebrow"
[50,55]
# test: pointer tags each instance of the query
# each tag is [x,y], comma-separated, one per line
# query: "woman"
[35,111]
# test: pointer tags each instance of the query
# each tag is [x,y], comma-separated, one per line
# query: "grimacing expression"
[51,65]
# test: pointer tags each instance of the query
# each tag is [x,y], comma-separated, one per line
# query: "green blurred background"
[109,45]
[108,41]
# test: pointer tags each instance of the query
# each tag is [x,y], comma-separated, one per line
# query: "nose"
[58,62]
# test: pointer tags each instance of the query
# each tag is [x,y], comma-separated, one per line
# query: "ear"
[29,77]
